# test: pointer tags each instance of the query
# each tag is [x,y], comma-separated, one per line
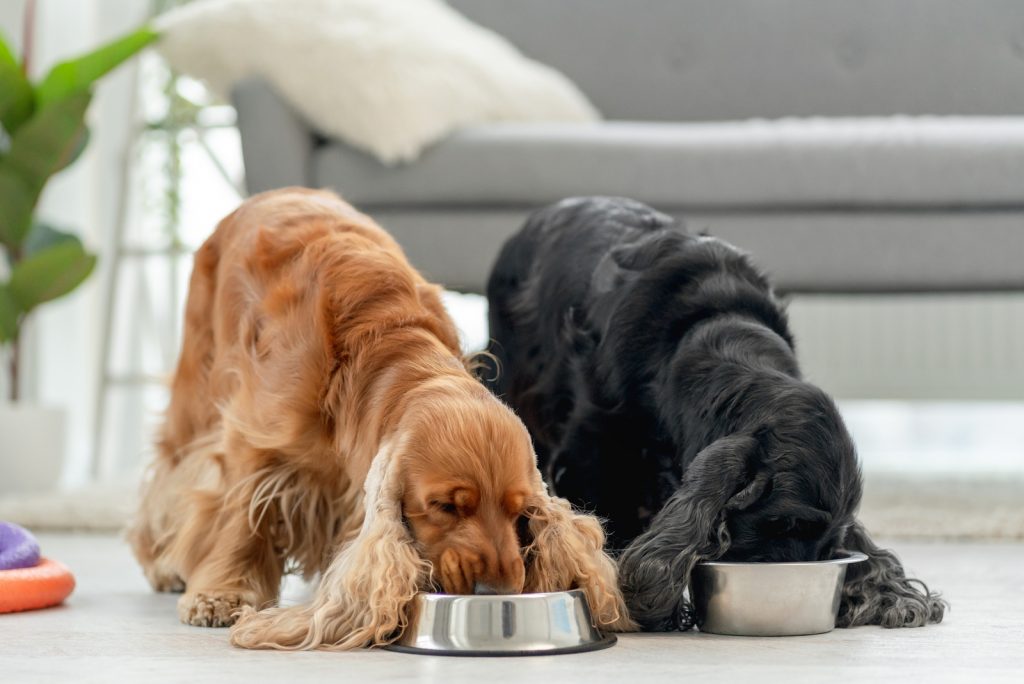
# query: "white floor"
[113,629]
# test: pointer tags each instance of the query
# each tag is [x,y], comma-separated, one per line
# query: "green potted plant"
[42,131]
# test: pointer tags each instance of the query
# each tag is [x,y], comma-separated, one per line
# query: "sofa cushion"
[388,76]
[878,162]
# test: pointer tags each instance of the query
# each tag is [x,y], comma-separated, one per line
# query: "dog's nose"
[485,589]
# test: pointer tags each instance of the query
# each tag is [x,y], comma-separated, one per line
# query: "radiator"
[962,346]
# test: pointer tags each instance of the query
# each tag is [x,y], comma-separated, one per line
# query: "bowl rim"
[848,558]
[426,595]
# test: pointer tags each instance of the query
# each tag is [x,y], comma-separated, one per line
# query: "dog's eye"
[446,507]
[809,529]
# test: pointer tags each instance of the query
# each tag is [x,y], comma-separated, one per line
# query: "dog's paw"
[211,610]
[168,582]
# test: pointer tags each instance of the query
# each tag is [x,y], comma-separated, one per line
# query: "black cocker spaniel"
[656,372]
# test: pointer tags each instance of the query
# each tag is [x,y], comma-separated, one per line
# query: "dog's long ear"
[655,568]
[365,594]
[565,550]
[878,592]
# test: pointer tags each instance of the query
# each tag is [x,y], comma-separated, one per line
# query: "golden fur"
[321,421]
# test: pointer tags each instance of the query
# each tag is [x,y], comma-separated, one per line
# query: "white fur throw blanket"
[387,76]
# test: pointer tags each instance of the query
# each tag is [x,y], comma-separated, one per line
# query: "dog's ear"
[655,568]
[366,592]
[564,549]
[878,592]
[746,497]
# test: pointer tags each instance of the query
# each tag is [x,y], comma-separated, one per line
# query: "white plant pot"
[31,448]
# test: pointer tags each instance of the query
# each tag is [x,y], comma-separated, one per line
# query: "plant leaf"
[9,313]
[50,273]
[44,235]
[16,203]
[78,147]
[80,73]
[16,98]
[45,144]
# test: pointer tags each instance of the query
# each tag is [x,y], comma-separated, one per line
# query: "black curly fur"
[656,372]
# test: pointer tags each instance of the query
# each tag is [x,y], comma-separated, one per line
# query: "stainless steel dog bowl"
[502,625]
[769,599]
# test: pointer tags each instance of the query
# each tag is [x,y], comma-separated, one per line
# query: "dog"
[322,421]
[657,374]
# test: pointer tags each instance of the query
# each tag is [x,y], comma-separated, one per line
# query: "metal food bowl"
[769,599]
[502,625]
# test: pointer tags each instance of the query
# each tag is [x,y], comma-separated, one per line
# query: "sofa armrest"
[276,143]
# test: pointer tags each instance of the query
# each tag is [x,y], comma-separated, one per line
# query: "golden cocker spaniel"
[321,420]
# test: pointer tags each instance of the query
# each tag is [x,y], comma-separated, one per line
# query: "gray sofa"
[853,146]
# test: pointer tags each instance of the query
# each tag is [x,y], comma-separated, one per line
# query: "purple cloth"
[18,548]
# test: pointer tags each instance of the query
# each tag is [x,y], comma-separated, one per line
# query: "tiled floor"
[114,630]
